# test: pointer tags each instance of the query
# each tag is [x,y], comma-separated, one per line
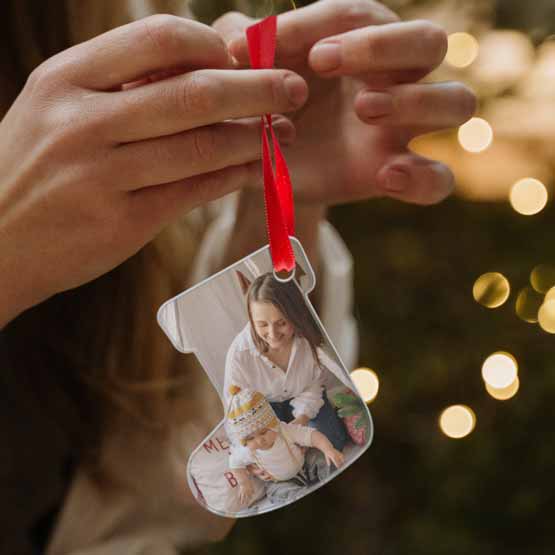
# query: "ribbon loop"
[278,192]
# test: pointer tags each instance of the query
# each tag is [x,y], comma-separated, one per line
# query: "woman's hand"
[114,138]
[363,67]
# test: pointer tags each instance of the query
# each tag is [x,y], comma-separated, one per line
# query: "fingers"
[154,207]
[150,45]
[232,26]
[391,47]
[429,106]
[192,153]
[299,29]
[411,178]
[198,99]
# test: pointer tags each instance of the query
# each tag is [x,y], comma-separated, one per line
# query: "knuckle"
[357,13]
[377,47]
[418,101]
[229,20]
[162,31]
[353,13]
[204,144]
[46,78]
[200,94]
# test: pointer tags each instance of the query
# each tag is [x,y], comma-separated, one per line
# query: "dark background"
[416,491]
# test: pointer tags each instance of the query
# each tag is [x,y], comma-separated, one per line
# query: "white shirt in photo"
[303,381]
[284,459]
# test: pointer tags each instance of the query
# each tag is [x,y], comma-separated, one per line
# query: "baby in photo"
[276,447]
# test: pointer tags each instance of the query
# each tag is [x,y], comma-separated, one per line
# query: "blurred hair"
[94,356]
[289,300]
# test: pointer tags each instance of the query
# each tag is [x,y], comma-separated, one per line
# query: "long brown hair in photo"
[287,297]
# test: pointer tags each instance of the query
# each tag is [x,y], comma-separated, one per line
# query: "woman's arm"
[308,403]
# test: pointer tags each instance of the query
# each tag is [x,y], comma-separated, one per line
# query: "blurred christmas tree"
[417,491]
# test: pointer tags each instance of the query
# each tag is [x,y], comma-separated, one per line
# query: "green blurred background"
[417,491]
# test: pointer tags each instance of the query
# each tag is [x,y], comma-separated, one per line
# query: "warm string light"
[457,421]
[528,196]
[491,289]
[366,382]
[542,278]
[546,316]
[500,370]
[528,304]
[462,49]
[475,135]
[504,393]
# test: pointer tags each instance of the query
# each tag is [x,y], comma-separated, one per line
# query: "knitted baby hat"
[248,412]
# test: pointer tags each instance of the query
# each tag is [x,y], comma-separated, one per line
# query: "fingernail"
[295,89]
[326,57]
[375,104]
[396,180]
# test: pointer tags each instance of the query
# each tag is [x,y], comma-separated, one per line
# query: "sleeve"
[240,457]
[310,401]
[302,435]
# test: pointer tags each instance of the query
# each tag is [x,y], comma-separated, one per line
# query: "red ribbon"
[278,193]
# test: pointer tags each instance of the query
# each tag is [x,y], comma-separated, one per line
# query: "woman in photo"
[279,353]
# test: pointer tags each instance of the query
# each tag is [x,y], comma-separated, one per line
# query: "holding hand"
[363,68]
[114,138]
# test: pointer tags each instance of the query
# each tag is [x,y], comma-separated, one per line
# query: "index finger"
[300,29]
[403,46]
[130,52]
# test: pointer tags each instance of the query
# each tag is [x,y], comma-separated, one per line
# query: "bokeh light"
[367,383]
[528,196]
[550,295]
[505,58]
[504,393]
[462,50]
[475,135]
[491,289]
[500,370]
[546,316]
[527,305]
[457,421]
[542,278]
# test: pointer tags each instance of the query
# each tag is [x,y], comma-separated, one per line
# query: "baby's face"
[262,439]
